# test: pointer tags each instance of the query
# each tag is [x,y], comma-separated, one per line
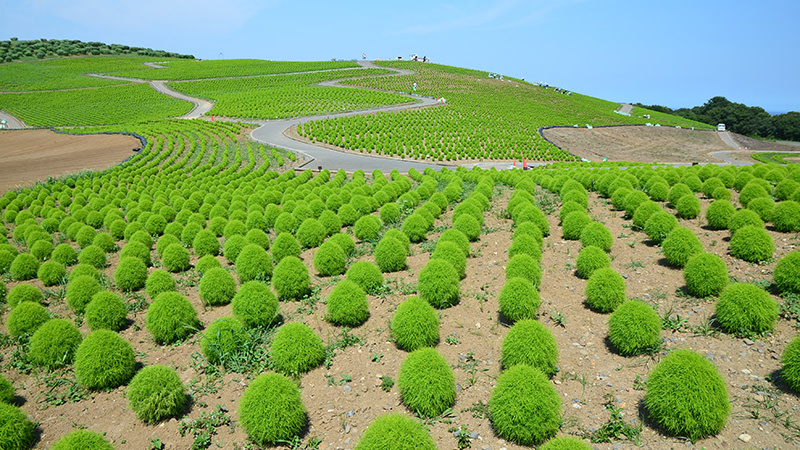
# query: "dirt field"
[639,144]
[30,155]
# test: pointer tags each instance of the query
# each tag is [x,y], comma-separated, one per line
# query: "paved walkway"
[12,123]
[201,106]
[625,108]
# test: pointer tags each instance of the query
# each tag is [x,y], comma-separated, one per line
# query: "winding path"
[12,123]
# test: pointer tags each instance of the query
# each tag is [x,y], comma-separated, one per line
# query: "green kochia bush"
[367,228]
[24,267]
[330,259]
[255,305]
[175,258]
[290,279]
[439,283]
[285,245]
[634,328]
[65,254]
[426,382]
[680,245]
[686,396]
[271,410]
[217,287]
[93,256]
[224,338]
[790,364]
[596,234]
[6,391]
[746,308]
[565,443]
[742,218]
[416,227]
[574,223]
[136,249]
[131,274]
[205,243]
[590,259]
[525,244]
[296,348]
[659,225]
[524,266]
[468,225]
[347,304]
[253,263]
[156,393]
[51,273]
[450,252]
[719,213]
[104,360]
[605,290]
[346,242]
[390,255]
[524,407]
[310,233]
[367,275]
[529,342]
[54,343]
[106,311]
[80,291]
[786,216]
[170,318]
[16,431]
[206,263]
[752,243]
[688,207]
[519,300]
[159,281]
[705,274]
[24,293]
[415,325]
[26,318]
[787,273]
[397,432]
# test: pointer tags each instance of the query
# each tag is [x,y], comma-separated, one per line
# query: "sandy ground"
[30,155]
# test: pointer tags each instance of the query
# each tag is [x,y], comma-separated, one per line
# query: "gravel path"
[12,123]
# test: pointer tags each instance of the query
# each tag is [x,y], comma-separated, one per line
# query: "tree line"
[14,49]
[748,120]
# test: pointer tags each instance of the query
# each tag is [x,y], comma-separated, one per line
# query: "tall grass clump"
[426,382]
[634,328]
[271,410]
[528,342]
[524,407]
[415,325]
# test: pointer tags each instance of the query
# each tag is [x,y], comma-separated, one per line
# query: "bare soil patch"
[30,155]
[759,145]
[639,143]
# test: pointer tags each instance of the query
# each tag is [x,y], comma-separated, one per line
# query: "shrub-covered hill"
[14,49]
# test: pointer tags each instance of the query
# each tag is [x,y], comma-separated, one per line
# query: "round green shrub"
[719,213]
[106,311]
[93,256]
[205,243]
[24,267]
[746,308]
[52,273]
[347,304]
[170,318]
[596,234]
[680,245]
[632,202]
[367,275]
[85,236]
[415,227]
[659,225]
[569,207]
[24,293]
[790,364]
[217,287]
[688,207]
[528,342]
[590,259]
[65,254]
[634,328]
[468,225]
[82,440]
[763,206]
[330,259]
[415,325]
[565,443]
[367,228]
[225,337]
[705,275]
[258,237]
[253,263]
[190,232]
[390,213]
[458,238]
[83,269]
[786,216]
[142,237]
[136,249]
[42,249]
[54,343]
[519,300]
[522,265]
[451,253]
[390,255]
[439,283]
[618,197]
[217,225]
[255,305]
[397,432]
[26,318]
[206,263]
[296,348]
[743,218]
[535,215]
[159,281]
[525,244]
[311,233]
[752,243]
[573,224]
[156,393]
[527,228]
[80,291]
[787,273]
[686,396]
[285,245]
[7,395]
[347,244]
[6,258]
[130,274]
[677,192]
[16,431]
[104,360]
[175,258]
[658,192]
[524,407]
[605,290]
[271,410]
[751,191]
[105,241]
[426,382]
[347,214]
[290,279]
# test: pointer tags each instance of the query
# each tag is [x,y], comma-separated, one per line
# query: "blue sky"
[677,54]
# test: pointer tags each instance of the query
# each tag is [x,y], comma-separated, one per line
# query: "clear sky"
[678,53]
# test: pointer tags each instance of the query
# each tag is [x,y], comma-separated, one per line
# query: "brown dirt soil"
[27,156]
[759,145]
[471,335]
[638,143]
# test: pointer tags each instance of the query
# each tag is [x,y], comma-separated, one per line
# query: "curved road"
[12,123]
